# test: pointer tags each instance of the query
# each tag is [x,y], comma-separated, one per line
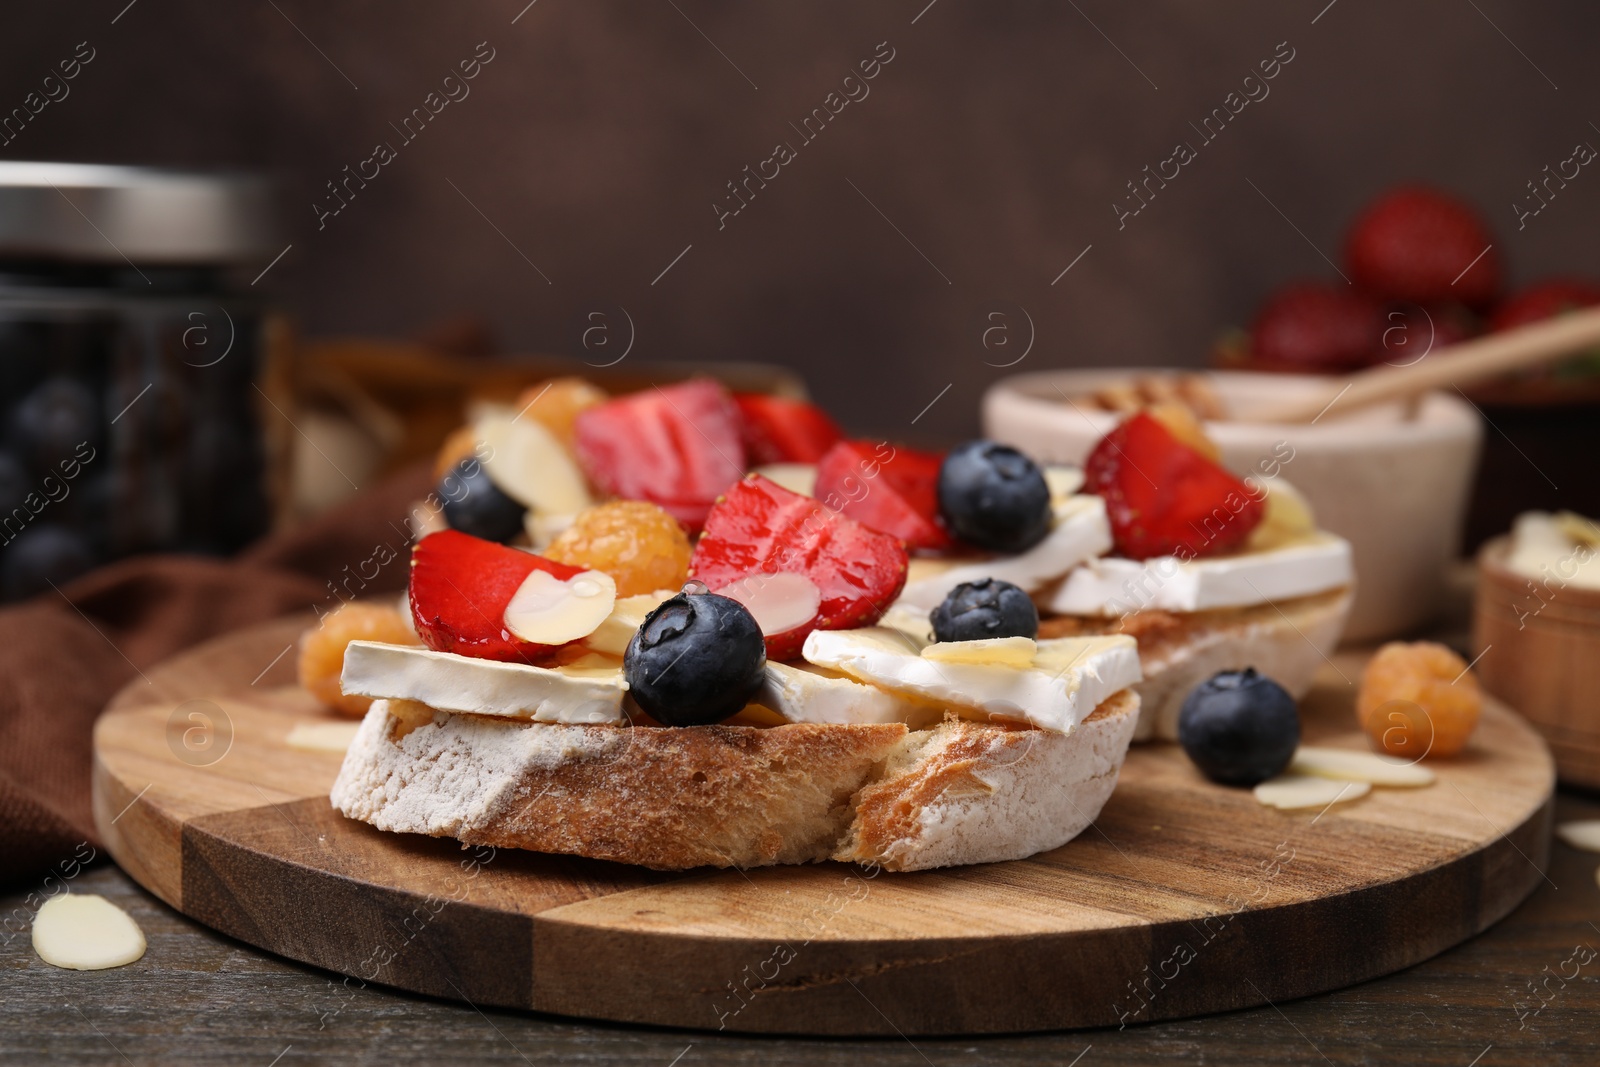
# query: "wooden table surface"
[1526,992]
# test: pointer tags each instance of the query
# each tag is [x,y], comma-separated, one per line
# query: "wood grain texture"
[198,997]
[1184,898]
[1542,638]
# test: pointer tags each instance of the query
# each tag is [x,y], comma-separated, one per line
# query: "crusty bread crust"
[1287,641]
[741,796]
[719,796]
[968,792]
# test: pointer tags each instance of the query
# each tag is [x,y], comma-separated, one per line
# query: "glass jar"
[129,353]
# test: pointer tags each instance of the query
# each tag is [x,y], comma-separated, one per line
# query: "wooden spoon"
[1455,365]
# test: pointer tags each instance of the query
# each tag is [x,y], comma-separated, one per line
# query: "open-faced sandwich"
[1154,539]
[837,655]
[1208,571]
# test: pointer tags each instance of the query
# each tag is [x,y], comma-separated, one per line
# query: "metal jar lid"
[89,213]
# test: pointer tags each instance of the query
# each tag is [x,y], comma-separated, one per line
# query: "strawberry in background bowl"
[1421,245]
[1433,269]
[1316,327]
[1421,271]
[1577,377]
[1420,267]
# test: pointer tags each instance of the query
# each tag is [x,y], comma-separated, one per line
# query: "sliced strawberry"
[460,586]
[1164,498]
[760,528]
[780,430]
[677,446]
[890,489]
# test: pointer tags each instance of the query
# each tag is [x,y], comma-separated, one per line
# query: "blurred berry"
[43,555]
[1423,245]
[1317,328]
[52,421]
[14,482]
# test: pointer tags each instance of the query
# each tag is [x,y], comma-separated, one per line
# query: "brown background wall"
[996,141]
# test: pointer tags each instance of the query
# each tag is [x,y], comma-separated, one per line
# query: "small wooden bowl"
[1543,658]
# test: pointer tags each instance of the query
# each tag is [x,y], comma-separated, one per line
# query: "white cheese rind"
[448,682]
[809,694]
[1081,532]
[1114,586]
[1070,677]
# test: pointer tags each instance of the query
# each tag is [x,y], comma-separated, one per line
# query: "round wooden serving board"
[1183,898]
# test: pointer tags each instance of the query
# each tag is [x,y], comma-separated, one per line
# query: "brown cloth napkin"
[64,655]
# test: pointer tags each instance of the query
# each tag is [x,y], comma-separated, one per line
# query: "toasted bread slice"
[735,796]
[1286,641]
[969,792]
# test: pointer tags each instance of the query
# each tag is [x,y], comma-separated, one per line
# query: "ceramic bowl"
[1393,482]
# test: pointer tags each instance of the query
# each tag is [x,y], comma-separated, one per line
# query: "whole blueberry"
[474,505]
[44,554]
[986,608]
[994,497]
[697,659]
[1239,727]
[53,420]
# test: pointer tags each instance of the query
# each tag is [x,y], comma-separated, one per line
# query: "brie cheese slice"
[803,693]
[1063,482]
[543,528]
[1068,679]
[913,622]
[445,681]
[627,615]
[987,651]
[1115,586]
[1081,532]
